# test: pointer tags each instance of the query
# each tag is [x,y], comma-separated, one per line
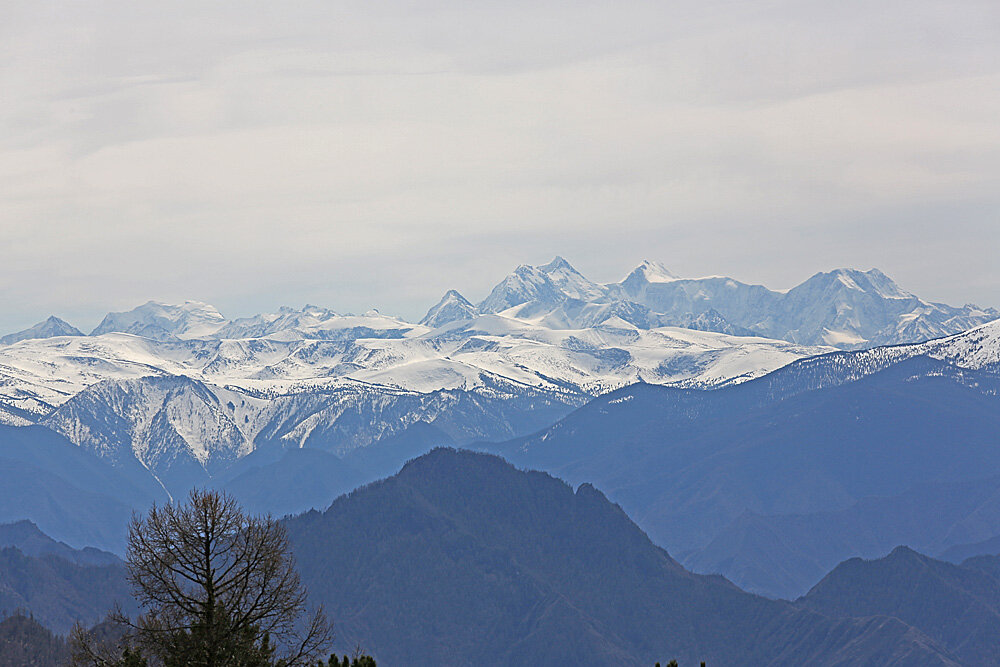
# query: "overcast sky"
[375,154]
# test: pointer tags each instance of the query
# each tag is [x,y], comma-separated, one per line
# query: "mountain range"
[460,558]
[843,308]
[771,482]
[754,434]
[187,394]
[471,561]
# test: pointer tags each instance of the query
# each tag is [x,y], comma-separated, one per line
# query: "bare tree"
[218,587]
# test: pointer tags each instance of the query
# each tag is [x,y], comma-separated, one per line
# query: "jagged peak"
[455,295]
[452,307]
[557,263]
[655,272]
[50,327]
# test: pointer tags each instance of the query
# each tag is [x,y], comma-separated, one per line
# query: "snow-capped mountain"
[186,392]
[176,427]
[844,308]
[451,308]
[977,348]
[162,321]
[847,308]
[647,273]
[39,375]
[186,432]
[48,328]
[186,408]
[548,285]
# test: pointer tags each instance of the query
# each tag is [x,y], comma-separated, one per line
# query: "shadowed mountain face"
[60,592]
[695,468]
[461,559]
[956,605]
[68,492]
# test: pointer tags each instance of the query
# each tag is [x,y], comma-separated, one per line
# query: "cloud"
[360,154]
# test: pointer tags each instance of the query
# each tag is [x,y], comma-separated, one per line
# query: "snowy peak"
[872,282]
[49,328]
[266,324]
[571,282]
[652,272]
[161,321]
[853,309]
[648,273]
[452,307]
[527,283]
[550,284]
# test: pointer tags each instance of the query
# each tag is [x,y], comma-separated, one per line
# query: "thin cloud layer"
[377,154]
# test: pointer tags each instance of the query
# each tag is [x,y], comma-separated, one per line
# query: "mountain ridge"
[890,314]
[186,394]
[517,566]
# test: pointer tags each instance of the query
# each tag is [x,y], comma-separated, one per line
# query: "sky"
[376,154]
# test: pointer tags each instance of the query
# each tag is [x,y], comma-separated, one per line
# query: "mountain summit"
[548,285]
[48,328]
[451,308]
[161,321]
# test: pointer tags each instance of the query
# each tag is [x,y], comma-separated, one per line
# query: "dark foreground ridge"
[463,559]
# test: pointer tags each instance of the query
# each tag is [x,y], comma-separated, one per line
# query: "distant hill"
[785,555]
[59,592]
[957,606]
[462,559]
[29,540]
[961,552]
